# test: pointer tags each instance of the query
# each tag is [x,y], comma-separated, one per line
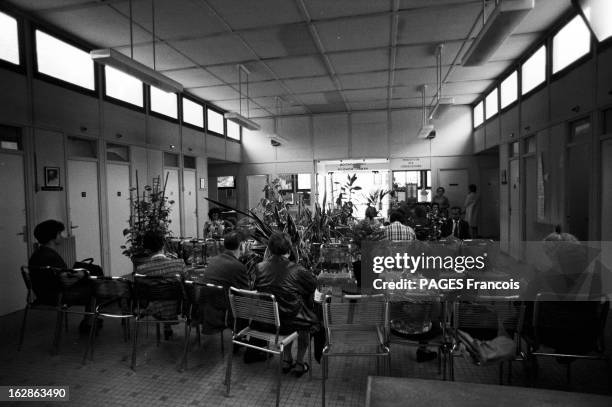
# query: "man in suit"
[455,226]
[227,271]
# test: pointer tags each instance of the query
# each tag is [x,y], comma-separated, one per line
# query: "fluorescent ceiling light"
[242,121]
[501,23]
[440,107]
[126,64]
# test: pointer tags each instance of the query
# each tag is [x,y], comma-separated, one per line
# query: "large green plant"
[150,213]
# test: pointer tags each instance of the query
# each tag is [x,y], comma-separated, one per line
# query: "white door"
[515,210]
[83,202]
[190,203]
[12,229]
[118,198]
[455,183]
[173,194]
[255,185]
[489,204]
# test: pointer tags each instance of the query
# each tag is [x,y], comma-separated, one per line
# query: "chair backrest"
[105,288]
[570,323]
[487,315]
[157,288]
[254,306]
[42,283]
[356,313]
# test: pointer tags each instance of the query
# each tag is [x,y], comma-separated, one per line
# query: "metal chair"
[361,322]
[573,325]
[164,291]
[200,298]
[58,298]
[482,316]
[261,309]
[112,298]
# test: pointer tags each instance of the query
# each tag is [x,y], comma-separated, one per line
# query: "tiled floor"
[108,380]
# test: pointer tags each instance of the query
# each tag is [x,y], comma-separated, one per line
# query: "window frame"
[182,110]
[212,132]
[575,63]
[21,48]
[547,70]
[239,140]
[161,115]
[119,102]
[474,125]
[36,74]
[493,89]
[518,90]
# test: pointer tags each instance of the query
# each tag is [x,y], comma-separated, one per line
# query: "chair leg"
[158,333]
[66,321]
[501,373]
[90,342]
[23,327]
[134,345]
[228,374]
[569,376]
[199,336]
[440,356]
[323,378]
[310,357]
[58,332]
[183,364]
[280,376]
[222,343]
[510,372]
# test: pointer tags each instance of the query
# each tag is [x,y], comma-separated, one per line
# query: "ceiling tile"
[281,41]
[364,95]
[419,56]
[320,9]
[400,103]
[360,61]
[415,77]
[165,57]
[544,14]
[297,67]
[490,70]
[247,14]
[320,98]
[260,113]
[466,99]
[327,108]
[364,80]
[316,84]
[369,105]
[407,92]
[465,88]
[193,77]
[213,93]
[267,88]
[437,24]
[214,50]
[356,33]
[174,19]
[49,5]
[229,73]
[294,110]
[101,26]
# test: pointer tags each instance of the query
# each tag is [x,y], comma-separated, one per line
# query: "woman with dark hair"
[471,207]
[294,287]
[370,216]
[441,199]
[215,227]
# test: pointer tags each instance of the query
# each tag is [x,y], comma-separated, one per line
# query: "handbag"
[88,264]
[305,319]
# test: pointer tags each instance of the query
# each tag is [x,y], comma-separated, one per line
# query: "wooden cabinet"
[572,94]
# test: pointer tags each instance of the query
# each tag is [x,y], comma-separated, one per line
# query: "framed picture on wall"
[52,177]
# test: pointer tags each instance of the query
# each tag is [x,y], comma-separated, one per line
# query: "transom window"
[193,113]
[478,114]
[9,39]
[491,104]
[570,43]
[233,130]
[533,71]
[215,121]
[63,61]
[163,102]
[509,89]
[122,86]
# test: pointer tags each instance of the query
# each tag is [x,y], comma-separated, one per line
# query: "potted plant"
[150,212]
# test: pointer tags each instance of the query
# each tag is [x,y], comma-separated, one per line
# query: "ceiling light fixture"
[441,102]
[115,59]
[503,20]
[237,117]
[426,129]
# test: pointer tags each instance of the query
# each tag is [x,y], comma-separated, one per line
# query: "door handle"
[74,226]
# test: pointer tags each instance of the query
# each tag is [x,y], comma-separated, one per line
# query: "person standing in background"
[471,208]
[441,199]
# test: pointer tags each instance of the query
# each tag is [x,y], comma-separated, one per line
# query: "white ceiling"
[316,55]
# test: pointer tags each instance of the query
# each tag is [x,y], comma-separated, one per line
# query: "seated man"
[160,265]
[455,226]
[396,231]
[49,237]
[227,271]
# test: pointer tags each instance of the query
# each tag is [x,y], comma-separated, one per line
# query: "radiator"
[67,249]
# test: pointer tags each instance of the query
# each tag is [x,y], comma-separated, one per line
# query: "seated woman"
[293,287]
[160,265]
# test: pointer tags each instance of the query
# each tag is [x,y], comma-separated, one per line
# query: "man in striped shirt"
[397,231]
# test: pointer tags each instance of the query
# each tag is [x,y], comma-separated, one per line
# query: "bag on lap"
[88,264]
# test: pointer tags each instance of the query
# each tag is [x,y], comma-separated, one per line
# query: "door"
[173,194]
[515,210]
[190,203]
[83,203]
[455,182]
[531,199]
[256,184]
[578,180]
[13,244]
[489,204]
[118,198]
